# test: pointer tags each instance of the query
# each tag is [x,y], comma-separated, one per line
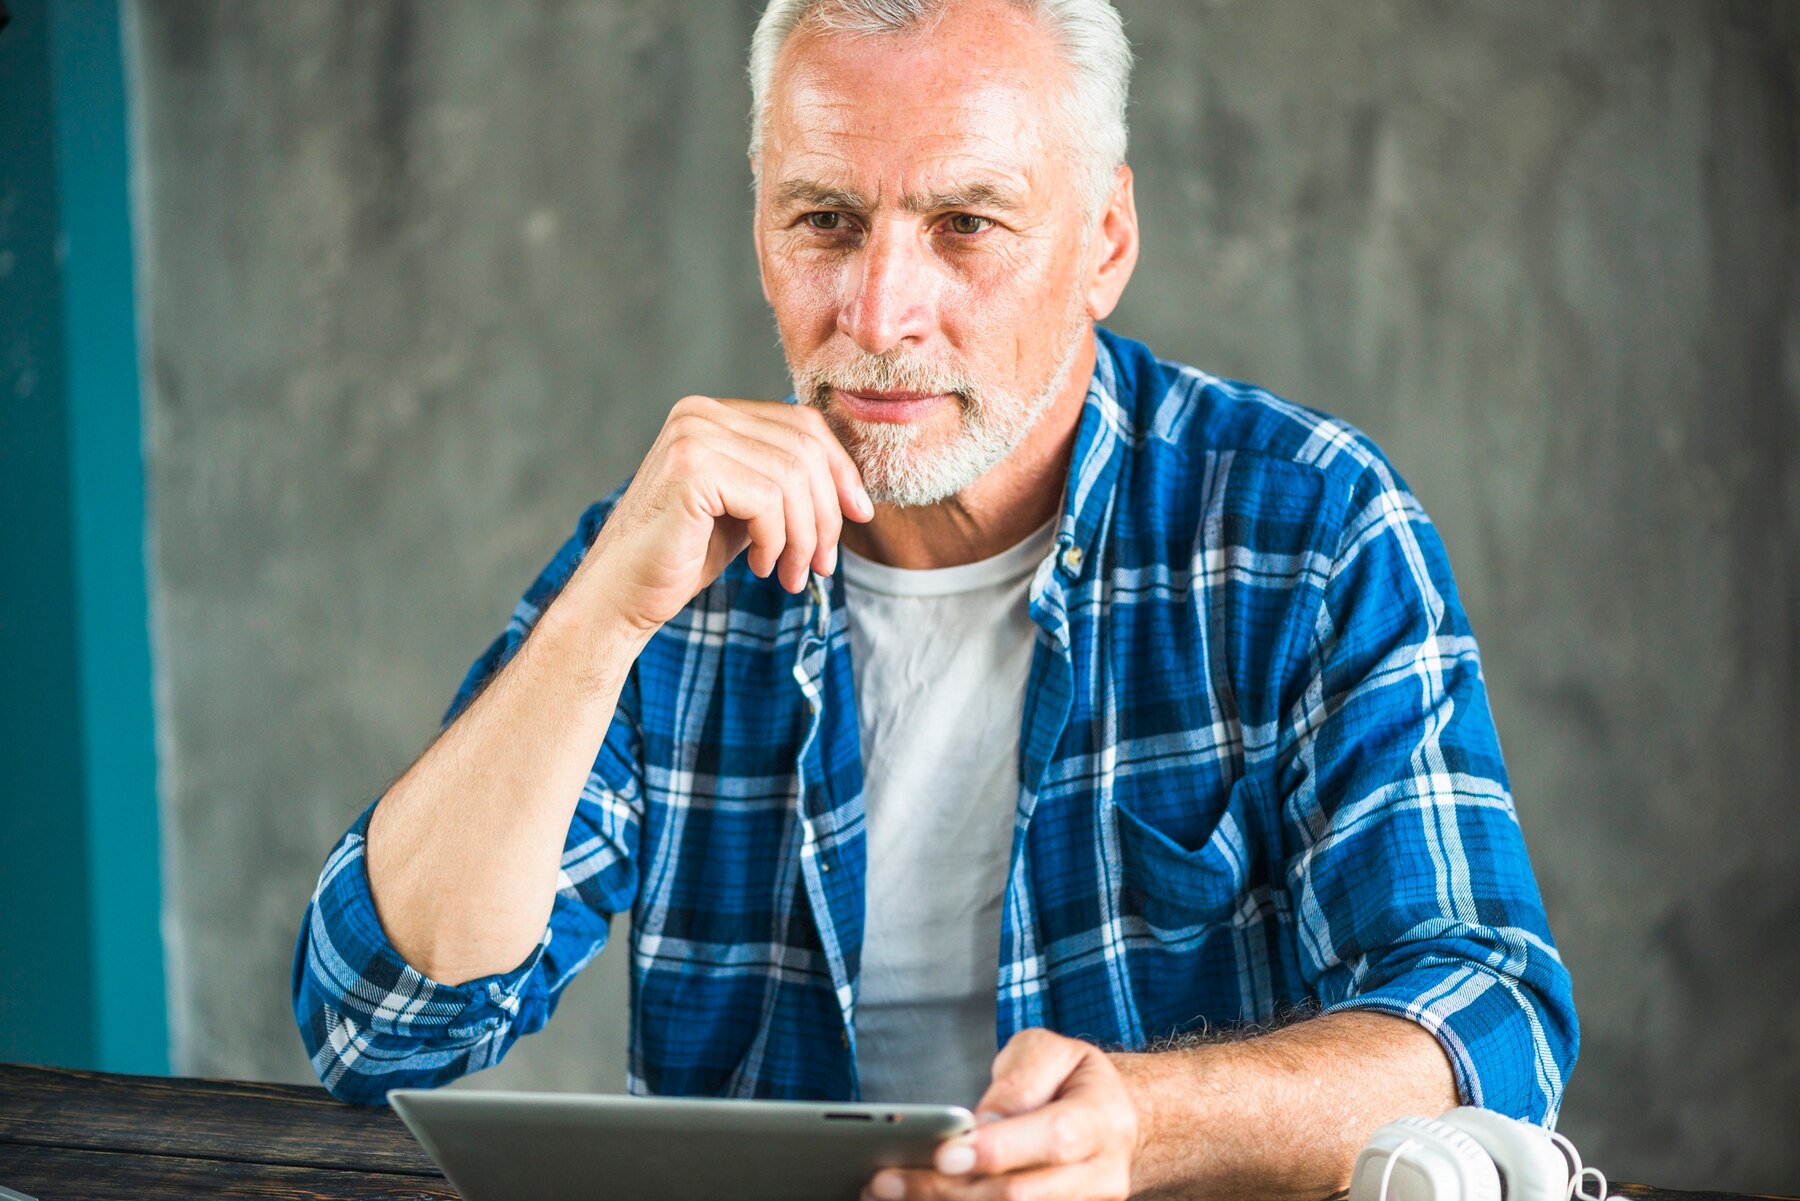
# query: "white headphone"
[1472,1154]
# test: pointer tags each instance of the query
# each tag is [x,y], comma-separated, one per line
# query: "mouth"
[897,406]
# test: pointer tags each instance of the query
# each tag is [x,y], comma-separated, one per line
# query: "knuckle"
[788,463]
[816,430]
[914,1187]
[687,429]
[1014,1188]
[688,406]
[768,495]
[1124,1118]
[809,456]
[1068,1136]
[811,449]
[685,453]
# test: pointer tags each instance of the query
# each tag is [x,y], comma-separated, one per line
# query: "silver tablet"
[572,1147]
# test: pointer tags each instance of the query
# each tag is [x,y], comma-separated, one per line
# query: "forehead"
[971,93]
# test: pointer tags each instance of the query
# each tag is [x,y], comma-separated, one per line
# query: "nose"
[890,292]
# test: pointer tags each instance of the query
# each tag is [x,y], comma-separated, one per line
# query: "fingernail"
[956,1159]
[984,1116]
[887,1186]
[831,562]
[863,504]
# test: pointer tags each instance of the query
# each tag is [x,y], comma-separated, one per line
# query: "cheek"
[1010,311]
[803,291]
[1027,278]
[984,302]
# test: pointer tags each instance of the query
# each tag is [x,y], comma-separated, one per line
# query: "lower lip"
[869,408]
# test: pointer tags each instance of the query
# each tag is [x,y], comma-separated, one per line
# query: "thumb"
[1029,1072]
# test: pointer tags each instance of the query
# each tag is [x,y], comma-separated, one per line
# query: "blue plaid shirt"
[1257,771]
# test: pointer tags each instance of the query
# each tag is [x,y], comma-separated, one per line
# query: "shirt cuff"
[1489,1028]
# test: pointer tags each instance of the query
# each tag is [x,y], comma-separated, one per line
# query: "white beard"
[895,470]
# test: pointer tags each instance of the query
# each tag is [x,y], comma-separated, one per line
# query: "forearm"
[1283,1114]
[463,850]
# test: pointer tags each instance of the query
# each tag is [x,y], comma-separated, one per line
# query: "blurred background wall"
[418,281]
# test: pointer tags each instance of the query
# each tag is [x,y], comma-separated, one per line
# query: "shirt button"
[1071,560]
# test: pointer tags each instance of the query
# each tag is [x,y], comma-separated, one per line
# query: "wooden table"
[88,1136]
[75,1136]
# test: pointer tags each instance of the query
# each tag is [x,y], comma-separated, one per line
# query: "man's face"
[923,237]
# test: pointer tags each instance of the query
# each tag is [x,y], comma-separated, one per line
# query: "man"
[1127,704]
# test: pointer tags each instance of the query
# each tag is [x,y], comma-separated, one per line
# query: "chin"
[899,470]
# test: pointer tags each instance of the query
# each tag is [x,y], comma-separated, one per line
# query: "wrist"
[1174,1095]
[1142,1084]
[595,640]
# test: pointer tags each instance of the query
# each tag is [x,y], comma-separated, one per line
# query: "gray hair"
[1090,34]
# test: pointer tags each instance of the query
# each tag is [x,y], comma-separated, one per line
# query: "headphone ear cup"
[1437,1162]
[1531,1166]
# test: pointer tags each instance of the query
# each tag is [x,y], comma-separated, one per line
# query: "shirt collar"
[1102,438]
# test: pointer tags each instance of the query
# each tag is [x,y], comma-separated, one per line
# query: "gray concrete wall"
[422,279]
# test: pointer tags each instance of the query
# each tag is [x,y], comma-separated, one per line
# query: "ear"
[1115,248]
[756,226]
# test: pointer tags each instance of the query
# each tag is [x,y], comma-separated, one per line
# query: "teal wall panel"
[83,975]
[107,478]
[46,979]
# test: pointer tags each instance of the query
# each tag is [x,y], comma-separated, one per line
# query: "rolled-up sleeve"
[1408,875]
[372,1022]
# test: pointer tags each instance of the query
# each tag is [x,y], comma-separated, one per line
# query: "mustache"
[882,373]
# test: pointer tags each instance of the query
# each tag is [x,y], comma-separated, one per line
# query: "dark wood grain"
[88,1136]
[64,1174]
[206,1119]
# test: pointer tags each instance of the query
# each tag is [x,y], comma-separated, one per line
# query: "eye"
[967,223]
[825,223]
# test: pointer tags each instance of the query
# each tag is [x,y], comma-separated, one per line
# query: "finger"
[768,422]
[1030,1070]
[723,486]
[1089,1114]
[853,496]
[828,516]
[906,1184]
[1062,1132]
[839,490]
[789,473]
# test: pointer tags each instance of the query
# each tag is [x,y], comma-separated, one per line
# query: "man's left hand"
[1056,1124]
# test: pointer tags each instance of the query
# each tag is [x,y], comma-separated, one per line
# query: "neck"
[997,511]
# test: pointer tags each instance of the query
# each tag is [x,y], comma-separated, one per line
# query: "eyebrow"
[980,194]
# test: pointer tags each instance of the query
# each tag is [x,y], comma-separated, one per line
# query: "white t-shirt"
[941,658]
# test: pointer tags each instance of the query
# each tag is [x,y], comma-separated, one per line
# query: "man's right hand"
[723,475]
[488,805]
